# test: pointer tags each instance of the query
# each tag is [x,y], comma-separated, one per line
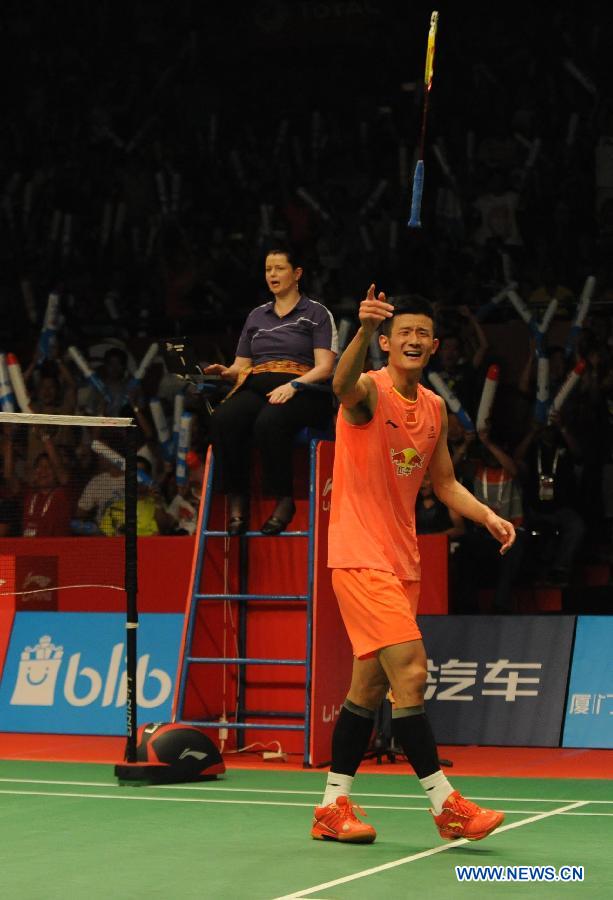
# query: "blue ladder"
[243,598]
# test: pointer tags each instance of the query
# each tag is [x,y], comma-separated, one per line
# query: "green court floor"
[70,831]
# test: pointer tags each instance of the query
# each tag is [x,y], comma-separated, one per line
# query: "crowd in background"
[153,152]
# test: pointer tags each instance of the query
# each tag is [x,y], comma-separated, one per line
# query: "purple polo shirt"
[266,336]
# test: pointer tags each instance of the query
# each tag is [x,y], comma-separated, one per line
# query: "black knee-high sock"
[350,738]
[412,730]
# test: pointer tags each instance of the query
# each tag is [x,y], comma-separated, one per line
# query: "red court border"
[502,762]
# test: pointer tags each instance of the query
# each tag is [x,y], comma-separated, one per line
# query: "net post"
[131,588]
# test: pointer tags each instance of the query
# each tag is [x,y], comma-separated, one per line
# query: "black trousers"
[247,419]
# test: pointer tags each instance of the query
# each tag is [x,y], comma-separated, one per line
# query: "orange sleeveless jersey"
[378,469]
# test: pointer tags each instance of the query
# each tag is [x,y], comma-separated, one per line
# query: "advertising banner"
[589,709]
[65,672]
[497,680]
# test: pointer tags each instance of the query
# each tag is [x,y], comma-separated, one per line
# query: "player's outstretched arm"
[454,495]
[350,385]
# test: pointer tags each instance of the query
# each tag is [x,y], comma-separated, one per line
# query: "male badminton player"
[390,429]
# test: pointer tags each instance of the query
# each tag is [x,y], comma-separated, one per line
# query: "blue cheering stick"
[539,329]
[541,404]
[89,374]
[484,311]
[51,321]
[144,365]
[117,460]
[176,421]
[185,434]
[162,430]
[451,400]
[582,311]
[523,312]
[8,402]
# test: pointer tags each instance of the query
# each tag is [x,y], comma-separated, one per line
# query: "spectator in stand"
[494,484]
[103,489]
[285,344]
[47,505]
[53,387]
[46,502]
[116,379]
[546,459]
[183,508]
[151,516]
[460,441]
[497,210]
[124,397]
[54,393]
[458,366]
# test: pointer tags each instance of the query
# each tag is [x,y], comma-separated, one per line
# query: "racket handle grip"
[418,186]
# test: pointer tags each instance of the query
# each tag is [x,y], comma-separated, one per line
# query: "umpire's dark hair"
[288,251]
[409,304]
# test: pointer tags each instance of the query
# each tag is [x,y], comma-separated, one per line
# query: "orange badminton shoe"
[338,822]
[461,818]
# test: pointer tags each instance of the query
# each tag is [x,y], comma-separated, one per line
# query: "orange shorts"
[378,609]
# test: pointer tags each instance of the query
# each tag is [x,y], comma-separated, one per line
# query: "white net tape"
[44,419]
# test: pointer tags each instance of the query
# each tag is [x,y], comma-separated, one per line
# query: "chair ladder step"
[256,534]
[244,726]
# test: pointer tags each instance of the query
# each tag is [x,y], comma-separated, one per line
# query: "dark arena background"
[151,154]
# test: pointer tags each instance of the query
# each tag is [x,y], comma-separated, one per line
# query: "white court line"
[120,796]
[297,895]
[292,793]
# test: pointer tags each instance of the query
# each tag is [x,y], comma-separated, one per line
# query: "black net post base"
[170,753]
[154,773]
[143,773]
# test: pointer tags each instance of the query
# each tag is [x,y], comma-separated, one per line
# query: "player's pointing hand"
[374,310]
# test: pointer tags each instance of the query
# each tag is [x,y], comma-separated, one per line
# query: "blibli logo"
[39,668]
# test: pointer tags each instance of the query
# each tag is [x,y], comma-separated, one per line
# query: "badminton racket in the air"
[418,177]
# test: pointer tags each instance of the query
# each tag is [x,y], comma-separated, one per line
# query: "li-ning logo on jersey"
[406,460]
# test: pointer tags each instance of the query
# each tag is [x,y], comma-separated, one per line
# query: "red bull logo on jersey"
[406,460]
